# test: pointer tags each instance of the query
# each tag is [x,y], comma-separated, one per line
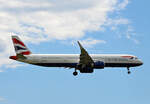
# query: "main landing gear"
[129,72]
[75,73]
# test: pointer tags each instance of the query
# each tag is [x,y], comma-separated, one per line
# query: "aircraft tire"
[129,72]
[75,73]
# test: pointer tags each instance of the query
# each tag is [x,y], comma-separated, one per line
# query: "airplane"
[84,62]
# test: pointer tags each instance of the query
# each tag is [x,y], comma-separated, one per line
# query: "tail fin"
[20,47]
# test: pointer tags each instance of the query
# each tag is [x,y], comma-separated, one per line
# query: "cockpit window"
[134,58]
[131,57]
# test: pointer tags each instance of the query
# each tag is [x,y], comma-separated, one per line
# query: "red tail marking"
[26,53]
[18,42]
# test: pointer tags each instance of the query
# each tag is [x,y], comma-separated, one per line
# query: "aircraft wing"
[85,58]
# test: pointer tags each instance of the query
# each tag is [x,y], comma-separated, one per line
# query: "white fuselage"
[71,60]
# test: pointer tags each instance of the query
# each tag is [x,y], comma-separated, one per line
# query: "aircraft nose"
[140,62]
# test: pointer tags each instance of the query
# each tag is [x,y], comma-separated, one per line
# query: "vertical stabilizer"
[20,47]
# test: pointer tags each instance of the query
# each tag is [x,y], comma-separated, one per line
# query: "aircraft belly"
[56,63]
[121,64]
[71,65]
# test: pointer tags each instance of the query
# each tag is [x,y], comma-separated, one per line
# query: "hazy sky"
[54,26]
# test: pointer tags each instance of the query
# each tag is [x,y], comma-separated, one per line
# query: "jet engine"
[87,70]
[90,68]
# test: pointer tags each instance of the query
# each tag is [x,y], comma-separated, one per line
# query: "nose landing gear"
[75,73]
[129,72]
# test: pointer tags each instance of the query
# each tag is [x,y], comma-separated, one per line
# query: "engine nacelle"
[90,68]
[99,64]
[86,70]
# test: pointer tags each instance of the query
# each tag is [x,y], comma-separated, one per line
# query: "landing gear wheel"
[129,72]
[75,73]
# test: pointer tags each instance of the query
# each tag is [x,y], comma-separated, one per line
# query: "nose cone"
[140,62]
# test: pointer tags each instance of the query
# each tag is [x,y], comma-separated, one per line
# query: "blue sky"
[121,27]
